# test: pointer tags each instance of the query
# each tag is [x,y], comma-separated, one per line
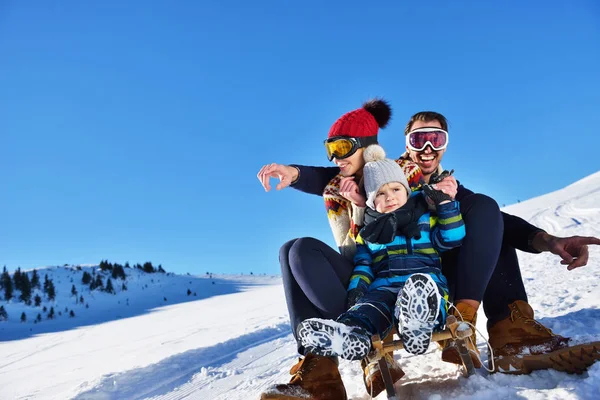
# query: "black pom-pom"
[380,109]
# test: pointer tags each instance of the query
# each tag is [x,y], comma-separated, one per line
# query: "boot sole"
[573,360]
[329,338]
[417,309]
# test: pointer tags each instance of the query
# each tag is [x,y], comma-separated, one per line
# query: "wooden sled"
[454,330]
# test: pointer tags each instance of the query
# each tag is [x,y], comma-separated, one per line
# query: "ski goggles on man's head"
[342,147]
[418,139]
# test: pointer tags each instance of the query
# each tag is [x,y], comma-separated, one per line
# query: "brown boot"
[521,345]
[372,374]
[314,377]
[467,313]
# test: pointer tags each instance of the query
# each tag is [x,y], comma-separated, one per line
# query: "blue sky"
[133,131]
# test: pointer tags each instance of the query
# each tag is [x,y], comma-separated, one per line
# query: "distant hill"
[77,303]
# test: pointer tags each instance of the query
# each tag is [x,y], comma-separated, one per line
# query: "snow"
[232,339]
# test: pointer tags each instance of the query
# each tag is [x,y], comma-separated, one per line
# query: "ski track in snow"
[185,375]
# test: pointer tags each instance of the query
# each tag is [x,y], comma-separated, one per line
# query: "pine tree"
[35,280]
[115,271]
[23,317]
[109,286]
[105,265]
[2,278]
[51,291]
[17,279]
[73,291]
[25,289]
[98,282]
[38,318]
[72,314]
[118,272]
[3,314]
[124,287]
[46,283]
[81,299]
[160,268]
[51,313]
[37,300]
[7,285]
[148,267]
[86,278]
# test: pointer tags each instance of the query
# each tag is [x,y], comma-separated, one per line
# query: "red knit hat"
[364,121]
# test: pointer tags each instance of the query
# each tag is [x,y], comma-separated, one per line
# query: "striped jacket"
[381,265]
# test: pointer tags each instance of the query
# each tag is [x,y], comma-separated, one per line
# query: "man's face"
[428,159]
[351,165]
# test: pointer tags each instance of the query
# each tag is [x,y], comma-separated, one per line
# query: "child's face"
[390,197]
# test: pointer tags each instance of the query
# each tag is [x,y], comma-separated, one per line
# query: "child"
[397,261]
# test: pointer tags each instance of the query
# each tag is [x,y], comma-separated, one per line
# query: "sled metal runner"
[454,331]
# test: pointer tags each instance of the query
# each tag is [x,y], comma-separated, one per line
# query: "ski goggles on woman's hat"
[342,147]
[418,139]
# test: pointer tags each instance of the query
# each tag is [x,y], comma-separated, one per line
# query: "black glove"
[437,196]
[437,178]
[354,296]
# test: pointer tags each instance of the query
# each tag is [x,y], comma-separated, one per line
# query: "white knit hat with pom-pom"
[379,171]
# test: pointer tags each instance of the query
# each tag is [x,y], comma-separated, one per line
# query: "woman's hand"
[349,190]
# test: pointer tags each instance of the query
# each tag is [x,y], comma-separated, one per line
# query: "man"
[520,344]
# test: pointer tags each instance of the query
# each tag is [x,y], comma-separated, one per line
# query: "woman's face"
[351,165]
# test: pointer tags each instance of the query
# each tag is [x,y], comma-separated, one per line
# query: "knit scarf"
[383,228]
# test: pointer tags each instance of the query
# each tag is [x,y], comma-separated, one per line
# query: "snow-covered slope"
[233,339]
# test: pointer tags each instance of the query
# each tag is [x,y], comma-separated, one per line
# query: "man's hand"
[349,190]
[573,249]
[284,173]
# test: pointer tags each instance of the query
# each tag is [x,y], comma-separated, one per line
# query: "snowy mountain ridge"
[77,304]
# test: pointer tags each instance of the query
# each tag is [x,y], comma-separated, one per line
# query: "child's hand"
[437,196]
[349,190]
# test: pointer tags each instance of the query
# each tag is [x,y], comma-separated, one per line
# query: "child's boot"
[327,337]
[417,310]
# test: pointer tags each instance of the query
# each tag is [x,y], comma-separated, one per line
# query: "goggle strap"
[367,141]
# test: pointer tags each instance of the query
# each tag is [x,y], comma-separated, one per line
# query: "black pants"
[315,276]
